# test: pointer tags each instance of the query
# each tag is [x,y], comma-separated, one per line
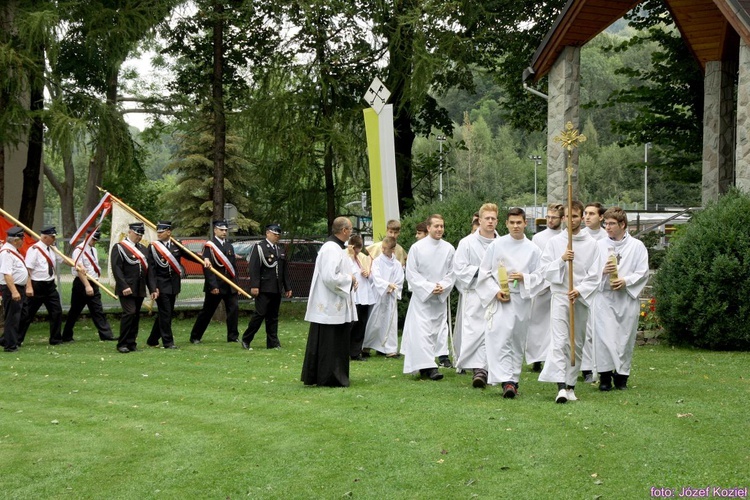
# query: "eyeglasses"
[553,217]
[611,224]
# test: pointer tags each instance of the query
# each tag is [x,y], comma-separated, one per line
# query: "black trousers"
[266,308]
[210,303]
[45,293]
[129,321]
[13,311]
[358,330]
[162,328]
[79,299]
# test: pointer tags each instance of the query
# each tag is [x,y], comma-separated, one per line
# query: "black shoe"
[588,376]
[245,345]
[509,390]
[170,346]
[621,382]
[11,349]
[195,341]
[434,374]
[536,367]
[445,362]
[605,381]
[123,350]
[358,358]
[480,379]
[366,354]
[132,348]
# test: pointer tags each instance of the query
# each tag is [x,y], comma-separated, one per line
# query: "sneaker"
[510,391]
[562,396]
[571,395]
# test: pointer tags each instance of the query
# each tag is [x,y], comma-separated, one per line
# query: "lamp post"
[441,140]
[537,159]
[645,176]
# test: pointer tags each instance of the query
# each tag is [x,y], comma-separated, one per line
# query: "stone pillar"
[718,129]
[742,152]
[563,107]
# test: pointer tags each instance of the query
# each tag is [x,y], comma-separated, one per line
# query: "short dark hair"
[422,227]
[515,211]
[617,214]
[598,206]
[573,205]
[355,240]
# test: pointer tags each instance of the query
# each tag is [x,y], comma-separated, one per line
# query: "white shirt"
[39,265]
[89,256]
[10,264]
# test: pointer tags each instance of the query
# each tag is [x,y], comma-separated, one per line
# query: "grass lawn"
[214,421]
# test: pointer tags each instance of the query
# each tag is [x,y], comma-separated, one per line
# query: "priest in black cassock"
[331,312]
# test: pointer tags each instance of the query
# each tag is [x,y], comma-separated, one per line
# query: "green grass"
[214,421]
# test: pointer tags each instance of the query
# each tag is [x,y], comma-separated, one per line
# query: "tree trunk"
[65,191]
[33,167]
[98,163]
[220,128]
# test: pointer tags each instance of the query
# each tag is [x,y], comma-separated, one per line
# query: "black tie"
[49,263]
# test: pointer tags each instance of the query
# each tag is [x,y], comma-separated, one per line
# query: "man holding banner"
[164,274]
[83,294]
[130,271]
[218,254]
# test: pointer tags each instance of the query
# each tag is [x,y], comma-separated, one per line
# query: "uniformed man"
[84,294]
[268,282]
[13,287]
[41,289]
[219,254]
[130,270]
[164,272]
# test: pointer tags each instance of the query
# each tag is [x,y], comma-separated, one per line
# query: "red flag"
[5,224]
[102,209]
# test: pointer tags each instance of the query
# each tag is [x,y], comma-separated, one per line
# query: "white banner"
[121,219]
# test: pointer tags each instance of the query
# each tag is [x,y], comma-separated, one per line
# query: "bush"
[703,285]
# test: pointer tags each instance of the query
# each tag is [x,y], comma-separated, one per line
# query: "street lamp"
[537,159]
[441,140]
[645,176]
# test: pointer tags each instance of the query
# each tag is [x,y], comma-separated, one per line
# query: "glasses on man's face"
[611,224]
[553,217]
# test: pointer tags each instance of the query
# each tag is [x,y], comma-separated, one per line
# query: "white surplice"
[381,332]
[468,336]
[330,301]
[507,323]
[586,278]
[617,311]
[430,263]
[537,339]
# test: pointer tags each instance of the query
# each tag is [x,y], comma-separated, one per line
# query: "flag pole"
[180,245]
[65,257]
[570,139]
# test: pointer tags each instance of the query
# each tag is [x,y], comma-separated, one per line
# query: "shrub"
[703,285]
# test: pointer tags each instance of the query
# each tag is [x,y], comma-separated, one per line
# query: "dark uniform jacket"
[213,281]
[128,275]
[267,268]
[160,272]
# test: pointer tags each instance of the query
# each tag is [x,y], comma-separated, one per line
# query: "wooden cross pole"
[67,259]
[180,245]
[570,139]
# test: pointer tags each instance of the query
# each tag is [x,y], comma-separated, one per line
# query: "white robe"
[617,311]
[381,332]
[537,340]
[468,336]
[365,292]
[588,354]
[586,278]
[430,262]
[330,301]
[507,323]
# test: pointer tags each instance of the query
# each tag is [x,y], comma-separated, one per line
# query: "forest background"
[259,104]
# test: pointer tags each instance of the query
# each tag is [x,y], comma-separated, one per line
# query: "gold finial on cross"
[570,138]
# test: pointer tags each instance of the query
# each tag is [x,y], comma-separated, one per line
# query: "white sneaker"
[571,395]
[562,396]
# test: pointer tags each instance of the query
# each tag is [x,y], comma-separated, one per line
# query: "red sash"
[220,257]
[45,254]
[90,258]
[18,255]
[167,255]
[134,250]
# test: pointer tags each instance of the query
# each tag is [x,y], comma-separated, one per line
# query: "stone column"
[563,107]
[718,129]
[742,152]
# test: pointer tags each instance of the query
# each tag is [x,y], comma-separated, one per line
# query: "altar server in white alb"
[586,278]
[507,281]
[537,339]
[470,322]
[624,260]
[429,272]
[593,215]
[381,332]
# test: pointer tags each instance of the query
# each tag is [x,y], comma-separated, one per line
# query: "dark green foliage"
[703,285]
